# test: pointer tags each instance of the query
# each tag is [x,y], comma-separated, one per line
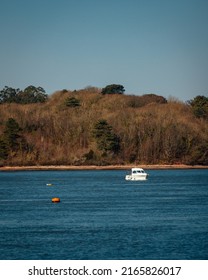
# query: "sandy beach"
[95,167]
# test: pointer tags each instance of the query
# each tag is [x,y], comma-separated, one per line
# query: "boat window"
[138,172]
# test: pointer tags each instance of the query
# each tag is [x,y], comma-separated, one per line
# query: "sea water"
[101,216]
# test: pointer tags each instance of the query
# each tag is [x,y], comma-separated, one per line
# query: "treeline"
[102,127]
[30,94]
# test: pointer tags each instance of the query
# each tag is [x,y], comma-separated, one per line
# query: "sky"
[148,46]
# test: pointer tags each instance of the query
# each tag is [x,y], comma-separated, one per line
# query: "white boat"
[137,174]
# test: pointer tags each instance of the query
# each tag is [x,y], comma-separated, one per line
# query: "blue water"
[102,216]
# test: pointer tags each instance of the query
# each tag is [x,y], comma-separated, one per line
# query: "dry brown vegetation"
[150,130]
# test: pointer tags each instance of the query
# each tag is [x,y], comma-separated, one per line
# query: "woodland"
[94,126]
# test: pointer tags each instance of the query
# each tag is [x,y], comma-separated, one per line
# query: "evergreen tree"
[8,95]
[3,149]
[200,106]
[32,94]
[72,102]
[113,89]
[106,139]
[11,134]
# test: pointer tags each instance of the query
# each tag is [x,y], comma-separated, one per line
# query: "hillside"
[86,127]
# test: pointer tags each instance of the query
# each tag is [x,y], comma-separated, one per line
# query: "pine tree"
[106,139]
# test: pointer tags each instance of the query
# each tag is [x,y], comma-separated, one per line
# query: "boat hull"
[136,178]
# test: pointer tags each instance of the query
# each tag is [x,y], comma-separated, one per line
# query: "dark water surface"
[102,216]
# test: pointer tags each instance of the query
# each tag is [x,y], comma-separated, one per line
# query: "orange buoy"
[56,199]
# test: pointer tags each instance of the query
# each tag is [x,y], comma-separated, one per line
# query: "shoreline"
[95,167]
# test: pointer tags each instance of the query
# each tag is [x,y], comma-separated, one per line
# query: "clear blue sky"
[148,46]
